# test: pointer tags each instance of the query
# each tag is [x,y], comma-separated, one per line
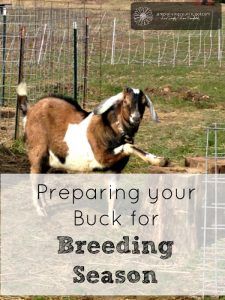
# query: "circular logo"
[143,16]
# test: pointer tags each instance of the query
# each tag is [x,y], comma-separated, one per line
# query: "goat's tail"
[22,97]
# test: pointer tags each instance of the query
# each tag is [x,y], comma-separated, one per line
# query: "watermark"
[176,16]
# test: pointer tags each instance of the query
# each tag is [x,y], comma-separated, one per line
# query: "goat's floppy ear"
[107,104]
[127,90]
[149,104]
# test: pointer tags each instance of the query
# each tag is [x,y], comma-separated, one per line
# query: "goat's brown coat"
[47,122]
[52,117]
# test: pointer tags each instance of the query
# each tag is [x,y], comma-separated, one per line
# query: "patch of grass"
[39,297]
[208,80]
[18,146]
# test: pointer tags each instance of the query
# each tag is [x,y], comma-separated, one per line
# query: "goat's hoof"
[160,162]
[42,212]
[44,203]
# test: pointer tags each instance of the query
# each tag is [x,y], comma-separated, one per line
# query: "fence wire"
[214,214]
[49,47]
[48,58]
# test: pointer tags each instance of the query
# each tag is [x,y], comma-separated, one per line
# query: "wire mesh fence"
[49,46]
[214,213]
[48,54]
[48,51]
[48,57]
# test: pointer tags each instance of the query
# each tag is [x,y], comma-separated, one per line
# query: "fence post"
[128,48]
[143,63]
[159,51]
[204,47]
[35,29]
[219,47]
[42,44]
[2,100]
[200,42]
[20,78]
[174,51]
[85,62]
[75,77]
[189,50]
[113,41]
[100,51]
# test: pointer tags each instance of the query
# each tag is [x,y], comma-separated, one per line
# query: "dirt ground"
[12,163]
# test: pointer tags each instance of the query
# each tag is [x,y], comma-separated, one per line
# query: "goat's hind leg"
[38,202]
[39,164]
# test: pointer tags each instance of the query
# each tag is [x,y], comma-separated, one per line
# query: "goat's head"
[131,103]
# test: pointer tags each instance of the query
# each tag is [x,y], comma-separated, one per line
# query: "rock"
[167,89]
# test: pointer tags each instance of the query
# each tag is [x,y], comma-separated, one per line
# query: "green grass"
[18,147]
[207,80]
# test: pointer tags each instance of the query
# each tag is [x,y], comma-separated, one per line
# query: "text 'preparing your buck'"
[152,194]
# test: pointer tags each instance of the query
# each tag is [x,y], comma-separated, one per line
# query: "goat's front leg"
[112,181]
[129,149]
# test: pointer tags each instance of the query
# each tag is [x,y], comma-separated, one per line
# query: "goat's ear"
[127,90]
[150,105]
[108,103]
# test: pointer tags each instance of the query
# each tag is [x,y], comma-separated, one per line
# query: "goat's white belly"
[80,156]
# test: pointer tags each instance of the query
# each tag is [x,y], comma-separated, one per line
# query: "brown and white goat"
[63,135]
